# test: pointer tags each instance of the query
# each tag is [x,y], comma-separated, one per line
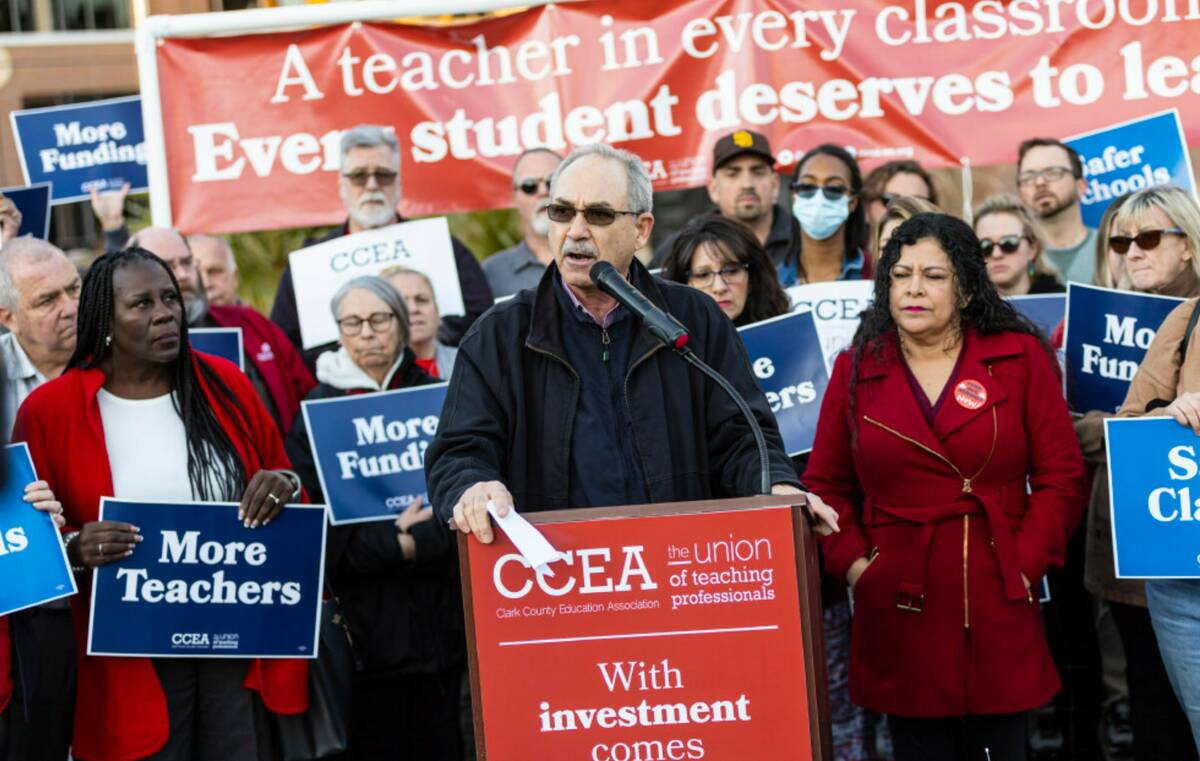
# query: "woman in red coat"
[945,446]
[138,415]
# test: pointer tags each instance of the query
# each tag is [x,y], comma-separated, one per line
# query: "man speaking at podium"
[562,398]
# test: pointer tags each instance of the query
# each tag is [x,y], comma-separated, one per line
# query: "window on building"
[16,16]
[71,15]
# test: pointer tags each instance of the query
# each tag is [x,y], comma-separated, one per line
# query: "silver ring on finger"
[273,498]
[100,548]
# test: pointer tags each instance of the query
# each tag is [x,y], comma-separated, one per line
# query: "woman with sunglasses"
[395,580]
[722,258]
[833,226]
[1156,233]
[1011,245]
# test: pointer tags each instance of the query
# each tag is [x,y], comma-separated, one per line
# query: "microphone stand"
[760,441]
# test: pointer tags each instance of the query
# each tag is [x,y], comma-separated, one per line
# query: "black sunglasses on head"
[1007,244]
[832,192]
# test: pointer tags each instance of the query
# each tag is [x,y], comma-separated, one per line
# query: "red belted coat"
[120,708]
[943,623]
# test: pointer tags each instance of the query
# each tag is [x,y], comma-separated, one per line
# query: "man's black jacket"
[513,395]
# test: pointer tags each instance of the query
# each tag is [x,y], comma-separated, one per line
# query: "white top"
[147,448]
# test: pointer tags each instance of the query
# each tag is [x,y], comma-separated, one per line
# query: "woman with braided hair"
[139,415]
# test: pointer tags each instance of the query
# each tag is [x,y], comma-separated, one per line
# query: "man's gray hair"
[639,191]
[230,261]
[25,247]
[386,292]
[369,136]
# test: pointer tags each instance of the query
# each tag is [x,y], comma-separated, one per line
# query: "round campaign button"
[970,394]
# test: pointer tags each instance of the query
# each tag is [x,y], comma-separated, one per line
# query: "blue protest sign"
[1130,156]
[225,343]
[1046,310]
[34,204]
[202,585]
[1153,464]
[82,146]
[33,563]
[1106,336]
[789,363]
[369,450]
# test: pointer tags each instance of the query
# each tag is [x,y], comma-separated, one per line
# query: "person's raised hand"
[470,513]
[109,207]
[10,219]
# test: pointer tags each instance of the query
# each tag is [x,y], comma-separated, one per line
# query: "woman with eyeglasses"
[396,581]
[826,187]
[721,257]
[1011,245]
[1156,235]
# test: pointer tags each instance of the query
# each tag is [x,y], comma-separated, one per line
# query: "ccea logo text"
[188,550]
[189,640]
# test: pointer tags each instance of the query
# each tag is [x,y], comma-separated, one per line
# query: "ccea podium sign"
[659,636]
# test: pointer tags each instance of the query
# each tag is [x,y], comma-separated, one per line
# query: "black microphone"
[661,325]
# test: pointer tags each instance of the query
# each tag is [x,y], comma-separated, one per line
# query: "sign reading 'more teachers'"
[789,364]
[202,585]
[84,146]
[369,450]
[318,271]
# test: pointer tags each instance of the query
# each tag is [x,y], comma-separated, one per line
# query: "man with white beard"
[521,266]
[369,186]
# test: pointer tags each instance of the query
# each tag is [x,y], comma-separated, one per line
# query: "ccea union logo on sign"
[189,639]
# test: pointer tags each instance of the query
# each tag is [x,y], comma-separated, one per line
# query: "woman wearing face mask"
[1153,236]
[1011,245]
[433,356]
[945,408]
[833,228]
[723,258]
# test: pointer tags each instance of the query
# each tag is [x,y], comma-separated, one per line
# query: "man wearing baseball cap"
[744,187]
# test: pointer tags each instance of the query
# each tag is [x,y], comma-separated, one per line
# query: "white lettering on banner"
[1114,158]
[733,32]
[376,431]
[73,133]
[189,550]
[407,460]
[106,153]
[13,540]
[299,152]
[382,252]
[592,564]
[1118,331]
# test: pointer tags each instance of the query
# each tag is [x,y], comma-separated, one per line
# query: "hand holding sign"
[39,495]
[1186,410]
[265,495]
[109,207]
[102,542]
[10,220]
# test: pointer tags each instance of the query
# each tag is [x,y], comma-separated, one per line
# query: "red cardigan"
[943,624]
[121,712]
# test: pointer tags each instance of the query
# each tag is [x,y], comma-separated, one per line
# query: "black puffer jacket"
[512,400]
[405,617]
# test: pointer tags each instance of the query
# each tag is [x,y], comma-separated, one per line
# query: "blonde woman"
[1011,244]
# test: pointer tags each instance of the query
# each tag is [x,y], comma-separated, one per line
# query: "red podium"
[688,630]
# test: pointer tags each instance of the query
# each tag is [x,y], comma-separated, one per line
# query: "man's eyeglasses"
[529,186]
[731,274]
[1146,240]
[379,322]
[360,177]
[832,192]
[597,216]
[1007,244]
[1049,174]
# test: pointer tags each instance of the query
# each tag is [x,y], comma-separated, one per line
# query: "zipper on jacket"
[966,597]
[629,411]
[604,341]
[575,406]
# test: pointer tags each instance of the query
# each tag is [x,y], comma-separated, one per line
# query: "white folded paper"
[530,542]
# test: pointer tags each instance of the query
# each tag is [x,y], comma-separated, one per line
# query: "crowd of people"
[936,645]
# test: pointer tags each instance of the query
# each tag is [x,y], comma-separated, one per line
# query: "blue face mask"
[820,217]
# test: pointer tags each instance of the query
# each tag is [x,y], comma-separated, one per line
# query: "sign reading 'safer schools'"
[673,636]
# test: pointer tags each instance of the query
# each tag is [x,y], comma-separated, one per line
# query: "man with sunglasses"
[521,266]
[561,398]
[1050,181]
[745,186]
[369,186]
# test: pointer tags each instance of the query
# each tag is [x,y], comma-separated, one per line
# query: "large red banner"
[252,122]
[669,637]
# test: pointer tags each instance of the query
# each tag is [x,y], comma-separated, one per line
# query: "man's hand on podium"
[825,519]
[471,514]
